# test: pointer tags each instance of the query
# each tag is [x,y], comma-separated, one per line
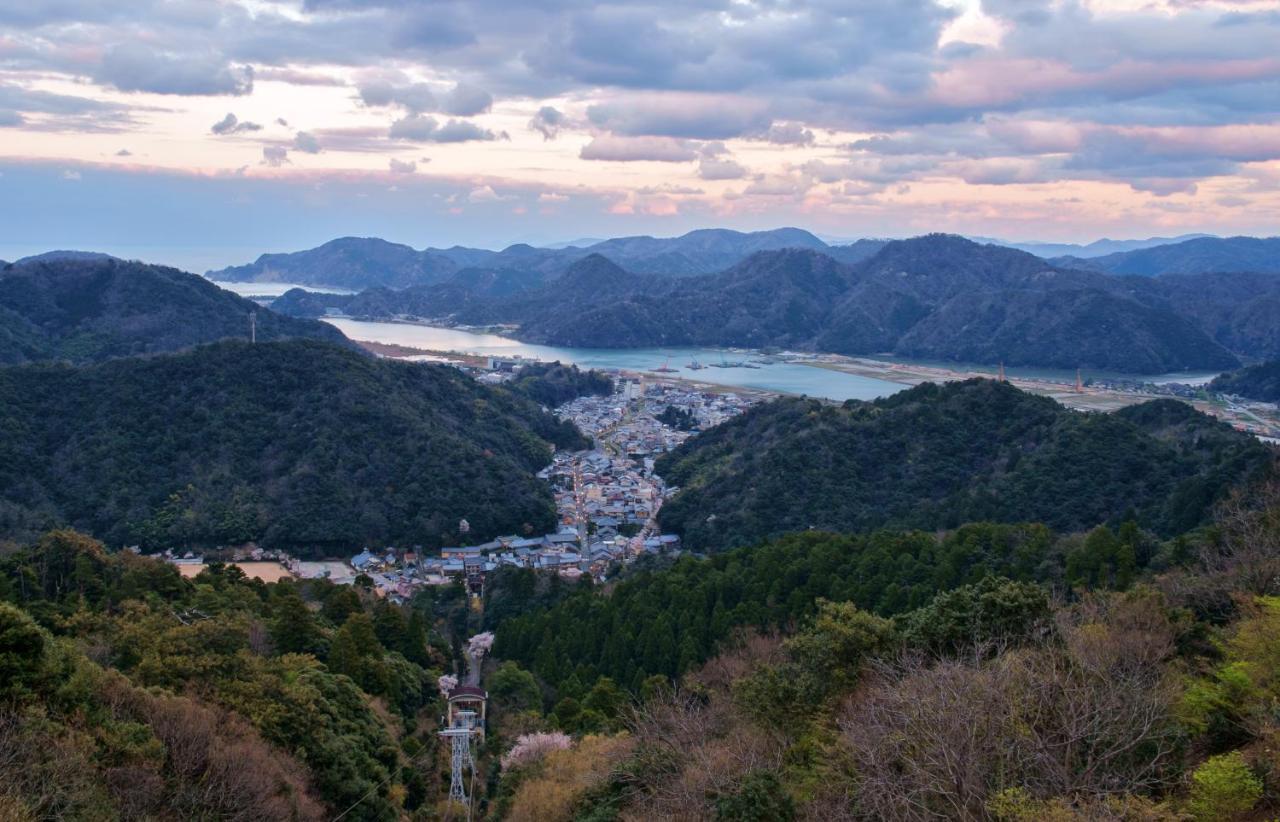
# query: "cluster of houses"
[397,575]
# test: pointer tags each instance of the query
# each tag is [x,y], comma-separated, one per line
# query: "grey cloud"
[10,118]
[789,134]
[402,166]
[637,149]
[711,169]
[306,142]
[422,128]
[124,152]
[696,117]
[233,125]
[138,68]
[414,97]
[548,122]
[466,101]
[275,156]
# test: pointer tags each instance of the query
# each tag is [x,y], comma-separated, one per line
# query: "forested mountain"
[1237,310]
[349,262]
[86,308]
[361,263]
[301,444]
[1255,382]
[937,456]
[1195,256]
[938,296]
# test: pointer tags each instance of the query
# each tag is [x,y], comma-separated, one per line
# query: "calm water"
[791,378]
[258,291]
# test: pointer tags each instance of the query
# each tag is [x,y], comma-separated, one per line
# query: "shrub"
[1223,788]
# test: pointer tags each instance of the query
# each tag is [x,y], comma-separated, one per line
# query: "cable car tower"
[465,720]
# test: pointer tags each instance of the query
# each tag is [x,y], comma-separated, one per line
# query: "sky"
[201,133]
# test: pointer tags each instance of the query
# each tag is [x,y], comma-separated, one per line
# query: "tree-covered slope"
[298,444]
[1202,254]
[937,456]
[84,309]
[1255,382]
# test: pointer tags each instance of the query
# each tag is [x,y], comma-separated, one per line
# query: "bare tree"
[1085,719]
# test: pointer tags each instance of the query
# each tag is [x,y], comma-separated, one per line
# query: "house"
[363,561]
[461,553]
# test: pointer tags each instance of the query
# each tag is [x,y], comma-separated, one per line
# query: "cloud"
[486,194]
[306,142]
[788,134]
[10,118]
[275,156]
[402,166]
[425,129]
[140,68]
[779,185]
[71,174]
[712,169]
[466,101]
[413,97]
[548,122]
[702,117]
[124,152]
[233,125]
[634,149]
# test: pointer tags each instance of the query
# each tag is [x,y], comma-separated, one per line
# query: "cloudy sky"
[202,132]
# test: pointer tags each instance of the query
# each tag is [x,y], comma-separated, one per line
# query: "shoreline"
[1097,398]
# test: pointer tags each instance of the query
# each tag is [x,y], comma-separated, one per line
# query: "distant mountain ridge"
[86,307]
[367,262]
[358,263]
[1097,248]
[938,296]
[1260,255]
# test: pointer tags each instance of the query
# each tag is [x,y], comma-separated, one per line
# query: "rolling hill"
[299,444]
[936,456]
[86,308]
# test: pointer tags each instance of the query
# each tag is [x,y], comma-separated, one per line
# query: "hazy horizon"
[205,128]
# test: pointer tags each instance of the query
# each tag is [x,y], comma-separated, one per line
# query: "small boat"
[694,365]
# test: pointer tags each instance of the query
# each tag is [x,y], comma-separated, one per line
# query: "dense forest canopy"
[301,445]
[1254,382]
[996,672]
[551,384]
[936,456]
[86,308]
[128,692]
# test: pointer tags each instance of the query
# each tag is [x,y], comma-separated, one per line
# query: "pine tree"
[294,628]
